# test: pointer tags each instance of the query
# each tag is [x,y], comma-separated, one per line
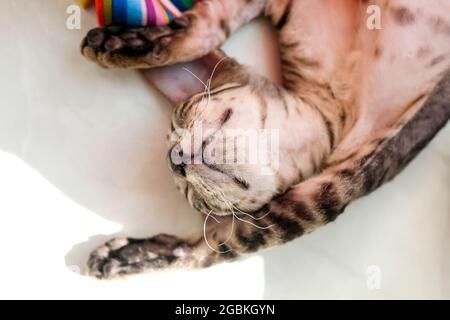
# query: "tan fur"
[345,112]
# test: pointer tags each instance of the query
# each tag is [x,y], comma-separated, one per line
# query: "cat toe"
[131,47]
[122,256]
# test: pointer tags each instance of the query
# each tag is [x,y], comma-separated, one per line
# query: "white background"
[82,158]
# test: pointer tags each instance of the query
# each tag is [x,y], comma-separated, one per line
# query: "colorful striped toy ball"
[136,13]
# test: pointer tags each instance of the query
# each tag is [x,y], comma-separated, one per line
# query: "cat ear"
[181,81]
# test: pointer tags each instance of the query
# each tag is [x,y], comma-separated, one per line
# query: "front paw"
[120,47]
[123,256]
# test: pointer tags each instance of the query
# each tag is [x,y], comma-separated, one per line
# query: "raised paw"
[118,47]
[123,256]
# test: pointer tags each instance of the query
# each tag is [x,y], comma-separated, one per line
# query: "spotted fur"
[356,106]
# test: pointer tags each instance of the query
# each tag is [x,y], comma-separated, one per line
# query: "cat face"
[222,156]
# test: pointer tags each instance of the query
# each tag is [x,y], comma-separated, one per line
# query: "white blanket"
[82,154]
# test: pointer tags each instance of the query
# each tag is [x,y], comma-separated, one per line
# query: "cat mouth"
[182,170]
[206,196]
[207,203]
[237,180]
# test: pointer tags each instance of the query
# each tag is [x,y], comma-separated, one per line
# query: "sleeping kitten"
[356,105]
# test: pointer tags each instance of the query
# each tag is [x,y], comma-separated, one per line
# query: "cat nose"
[178,167]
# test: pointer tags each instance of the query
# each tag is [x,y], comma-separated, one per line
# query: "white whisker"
[206,237]
[195,76]
[229,203]
[231,233]
[251,223]
[231,207]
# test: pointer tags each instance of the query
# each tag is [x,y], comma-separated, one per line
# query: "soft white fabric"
[82,154]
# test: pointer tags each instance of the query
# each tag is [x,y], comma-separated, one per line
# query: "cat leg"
[124,256]
[223,240]
[190,36]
